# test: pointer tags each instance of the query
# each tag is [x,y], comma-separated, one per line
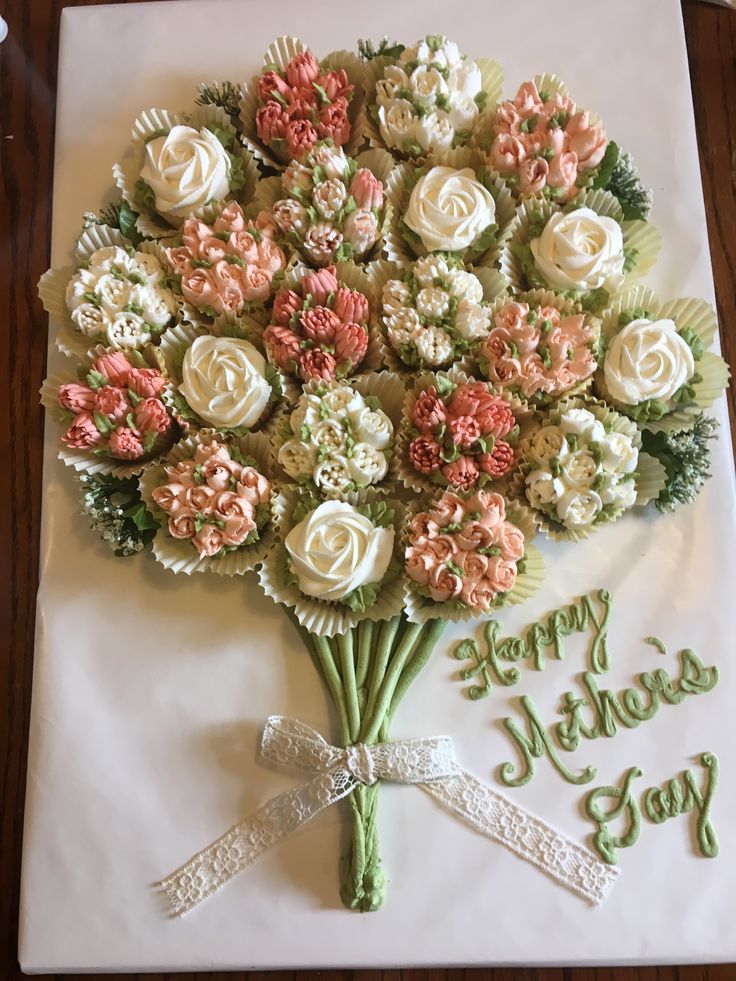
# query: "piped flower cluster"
[320,332]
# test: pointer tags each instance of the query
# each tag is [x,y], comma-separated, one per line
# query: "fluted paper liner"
[420,608]
[421,483]
[175,345]
[491,75]
[649,482]
[567,308]
[148,124]
[279,53]
[321,617]
[180,555]
[640,235]
[396,247]
[85,461]
[52,289]
[388,388]
[690,312]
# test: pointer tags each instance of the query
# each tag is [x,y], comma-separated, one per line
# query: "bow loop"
[291,743]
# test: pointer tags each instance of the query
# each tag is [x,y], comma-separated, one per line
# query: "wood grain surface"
[28,59]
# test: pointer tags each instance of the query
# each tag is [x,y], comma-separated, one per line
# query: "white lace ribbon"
[429,762]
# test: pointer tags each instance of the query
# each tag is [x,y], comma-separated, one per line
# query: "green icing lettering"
[532,746]
[681,795]
[606,843]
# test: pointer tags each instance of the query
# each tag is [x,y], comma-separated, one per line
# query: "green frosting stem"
[431,633]
[363,660]
[381,655]
[344,644]
[401,655]
[333,682]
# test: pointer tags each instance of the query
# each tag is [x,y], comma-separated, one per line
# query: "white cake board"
[150,690]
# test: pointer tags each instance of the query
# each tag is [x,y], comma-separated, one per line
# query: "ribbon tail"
[495,816]
[215,865]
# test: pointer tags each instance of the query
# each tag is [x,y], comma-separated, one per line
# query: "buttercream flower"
[290,216]
[464,285]
[335,549]
[443,584]
[76,398]
[83,432]
[350,306]
[284,346]
[498,463]
[208,540]
[471,321]
[396,123]
[302,69]
[185,169]
[334,123]
[297,177]
[223,381]
[319,283]
[328,197]
[316,364]
[580,250]
[201,499]
[253,487]
[230,219]
[589,145]
[367,190]
[112,402]
[434,346]
[429,411]
[181,525]
[300,136]
[199,287]
[361,230]
[236,529]
[335,84]
[533,175]
[89,319]
[125,444]
[114,367]
[562,174]
[296,458]
[271,83]
[449,209]
[367,465]
[461,473]
[322,242]
[255,284]
[507,153]
[424,454]
[578,508]
[286,303]
[527,98]
[647,360]
[331,159]
[146,382]
[218,468]
[351,344]
[320,324]
[419,562]
[167,496]
[432,302]
[151,416]
[464,431]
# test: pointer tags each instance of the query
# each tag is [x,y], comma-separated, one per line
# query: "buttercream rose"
[647,360]
[185,169]
[224,381]
[449,209]
[335,549]
[580,250]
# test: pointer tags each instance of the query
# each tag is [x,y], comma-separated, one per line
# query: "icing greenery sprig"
[686,459]
[115,511]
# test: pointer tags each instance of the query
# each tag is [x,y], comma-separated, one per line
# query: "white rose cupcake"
[429,99]
[655,367]
[334,563]
[585,251]
[448,208]
[220,383]
[583,468]
[339,440]
[179,164]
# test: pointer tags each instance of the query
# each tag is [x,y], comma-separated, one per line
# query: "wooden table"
[27,83]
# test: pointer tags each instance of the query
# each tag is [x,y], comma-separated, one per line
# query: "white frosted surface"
[150,690]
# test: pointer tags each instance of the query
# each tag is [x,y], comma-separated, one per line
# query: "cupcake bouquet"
[370,381]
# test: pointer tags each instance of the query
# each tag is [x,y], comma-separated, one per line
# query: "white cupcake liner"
[319,616]
[85,461]
[173,348]
[685,312]
[52,289]
[388,388]
[420,609]
[179,555]
[397,248]
[566,307]
[649,482]
[126,171]
[279,53]
[421,484]
[636,234]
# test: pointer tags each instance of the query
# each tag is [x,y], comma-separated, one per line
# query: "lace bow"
[429,763]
